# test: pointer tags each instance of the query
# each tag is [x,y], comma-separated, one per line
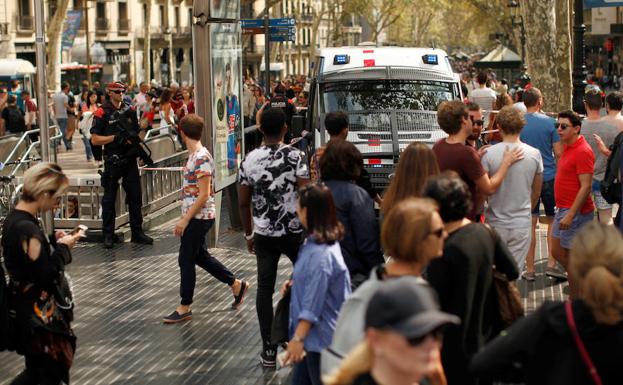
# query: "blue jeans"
[307,372]
[87,147]
[62,127]
[194,251]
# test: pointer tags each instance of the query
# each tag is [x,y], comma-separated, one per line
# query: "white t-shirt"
[200,164]
[484,97]
[510,206]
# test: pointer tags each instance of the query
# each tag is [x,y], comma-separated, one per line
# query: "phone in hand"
[80,230]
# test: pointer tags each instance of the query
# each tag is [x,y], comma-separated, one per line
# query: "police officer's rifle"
[129,134]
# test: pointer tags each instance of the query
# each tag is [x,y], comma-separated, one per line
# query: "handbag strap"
[580,345]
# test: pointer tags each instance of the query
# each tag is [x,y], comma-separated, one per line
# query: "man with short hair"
[198,216]
[269,179]
[13,117]
[614,104]
[477,118]
[519,104]
[453,154]
[141,98]
[483,96]
[61,106]
[509,208]
[540,133]
[572,189]
[592,127]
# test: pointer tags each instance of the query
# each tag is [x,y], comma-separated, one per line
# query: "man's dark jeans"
[194,251]
[307,372]
[268,250]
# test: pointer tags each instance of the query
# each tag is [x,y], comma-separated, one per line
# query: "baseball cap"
[116,86]
[407,307]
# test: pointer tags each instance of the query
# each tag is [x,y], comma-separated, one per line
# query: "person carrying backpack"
[13,117]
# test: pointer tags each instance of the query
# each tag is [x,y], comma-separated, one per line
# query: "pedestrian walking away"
[269,179]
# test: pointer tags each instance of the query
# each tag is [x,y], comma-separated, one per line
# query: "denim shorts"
[566,236]
[547,198]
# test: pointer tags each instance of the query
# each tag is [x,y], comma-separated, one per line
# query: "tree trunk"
[147,43]
[563,43]
[54,37]
[549,63]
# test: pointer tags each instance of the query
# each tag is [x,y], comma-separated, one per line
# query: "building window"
[176,16]
[162,23]
[145,14]
[51,8]
[123,11]
[100,10]
[24,7]
[190,17]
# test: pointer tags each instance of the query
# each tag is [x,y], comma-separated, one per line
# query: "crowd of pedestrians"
[455,221]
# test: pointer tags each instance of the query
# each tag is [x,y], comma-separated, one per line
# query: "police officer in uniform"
[279,100]
[119,163]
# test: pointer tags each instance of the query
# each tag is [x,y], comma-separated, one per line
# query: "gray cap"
[407,308]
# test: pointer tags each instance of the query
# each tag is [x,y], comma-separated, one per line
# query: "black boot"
[142,238]
[109,241]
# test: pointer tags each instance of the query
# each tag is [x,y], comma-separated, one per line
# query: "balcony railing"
[124,26]
[102,25]
[26,23]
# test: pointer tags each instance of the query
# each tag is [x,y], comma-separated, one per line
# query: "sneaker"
[176,317]
[529,276]
[557,273]
[244,287]
[268,357]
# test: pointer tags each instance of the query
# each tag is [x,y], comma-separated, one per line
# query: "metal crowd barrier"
[159,189]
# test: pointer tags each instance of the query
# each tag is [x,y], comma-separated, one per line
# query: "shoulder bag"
[580,345]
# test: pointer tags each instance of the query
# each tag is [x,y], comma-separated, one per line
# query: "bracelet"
[250,236]
[296,338]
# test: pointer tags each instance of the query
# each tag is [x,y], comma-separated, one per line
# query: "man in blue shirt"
[541,134]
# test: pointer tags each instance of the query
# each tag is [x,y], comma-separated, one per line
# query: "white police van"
[390,94]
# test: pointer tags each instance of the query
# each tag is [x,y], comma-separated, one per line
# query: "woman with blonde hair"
[403,333]
[412,234]
[35,263]
[417,163]
[592,323]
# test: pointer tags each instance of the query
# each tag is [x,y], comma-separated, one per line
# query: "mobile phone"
[81,230]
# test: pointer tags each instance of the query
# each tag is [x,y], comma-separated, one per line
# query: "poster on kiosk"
[227,132]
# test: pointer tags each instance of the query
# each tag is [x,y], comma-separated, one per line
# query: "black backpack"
[611,185]
[16,122]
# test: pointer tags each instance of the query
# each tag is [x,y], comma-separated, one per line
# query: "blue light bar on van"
[341,59]
[430,59]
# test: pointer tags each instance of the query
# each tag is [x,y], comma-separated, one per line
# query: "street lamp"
[517,21]
[579,66]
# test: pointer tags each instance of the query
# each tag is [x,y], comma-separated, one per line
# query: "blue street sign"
[290,30]
[258,23]
[282,38]
[282,22]
[602,3]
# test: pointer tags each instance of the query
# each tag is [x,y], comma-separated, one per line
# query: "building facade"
[117,29]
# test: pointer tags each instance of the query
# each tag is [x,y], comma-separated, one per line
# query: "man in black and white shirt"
[269,180]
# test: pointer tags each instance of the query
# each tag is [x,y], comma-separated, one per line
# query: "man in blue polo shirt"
[541,134]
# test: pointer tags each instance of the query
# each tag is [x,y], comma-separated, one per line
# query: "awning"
[500,57]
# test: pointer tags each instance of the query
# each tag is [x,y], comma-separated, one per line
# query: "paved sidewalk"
[122,295]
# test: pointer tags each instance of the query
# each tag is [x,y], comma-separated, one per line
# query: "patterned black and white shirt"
[271,172]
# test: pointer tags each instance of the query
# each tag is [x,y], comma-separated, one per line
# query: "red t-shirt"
[576,159]
[465,161]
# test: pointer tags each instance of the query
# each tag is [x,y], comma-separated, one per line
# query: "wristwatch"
[296,338]
[249,237]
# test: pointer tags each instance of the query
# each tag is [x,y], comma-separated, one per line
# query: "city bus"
[390,94]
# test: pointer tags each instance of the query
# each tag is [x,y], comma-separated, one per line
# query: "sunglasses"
[119,92]
[478,122]
[563,126]
[416,341]
[438,233]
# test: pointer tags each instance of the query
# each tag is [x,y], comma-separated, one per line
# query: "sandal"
[244,286]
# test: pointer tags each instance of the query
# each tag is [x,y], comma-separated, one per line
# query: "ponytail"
[357,362]
[603,292]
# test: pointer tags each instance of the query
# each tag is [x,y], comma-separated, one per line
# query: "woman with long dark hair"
[320,284]
[35,262]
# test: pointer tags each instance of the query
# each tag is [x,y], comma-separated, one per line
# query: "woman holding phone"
[35,262]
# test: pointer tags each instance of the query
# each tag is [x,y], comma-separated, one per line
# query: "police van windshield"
[418,95]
